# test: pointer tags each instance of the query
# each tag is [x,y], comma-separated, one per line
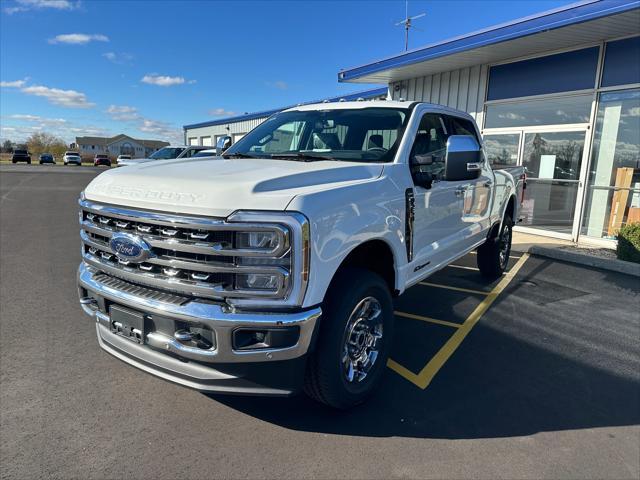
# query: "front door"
[438,222]
[553,162]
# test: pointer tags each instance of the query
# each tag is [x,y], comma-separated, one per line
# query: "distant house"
[118,145]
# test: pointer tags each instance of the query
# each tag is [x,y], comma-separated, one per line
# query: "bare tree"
[42,142]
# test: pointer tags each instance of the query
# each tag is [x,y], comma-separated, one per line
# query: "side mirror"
[463,160]
[222,144]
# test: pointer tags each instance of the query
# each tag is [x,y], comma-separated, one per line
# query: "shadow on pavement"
[542,359]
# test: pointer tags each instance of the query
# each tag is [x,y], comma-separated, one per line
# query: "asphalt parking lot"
[536,375]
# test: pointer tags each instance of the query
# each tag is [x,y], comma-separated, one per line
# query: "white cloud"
[123,113]
[39,119]
[163,80]
[219,112]
[279,84]
[162,130]
[78,38]
[118,58]
[25,5]
[56,96]
[13,84]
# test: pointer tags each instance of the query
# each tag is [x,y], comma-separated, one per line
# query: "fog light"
[247,339]
[257,281]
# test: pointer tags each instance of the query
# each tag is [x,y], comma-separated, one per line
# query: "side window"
[429,146]
[462,126]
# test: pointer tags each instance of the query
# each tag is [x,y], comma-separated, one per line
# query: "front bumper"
[221,368]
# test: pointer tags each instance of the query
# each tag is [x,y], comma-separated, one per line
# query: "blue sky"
[145,68]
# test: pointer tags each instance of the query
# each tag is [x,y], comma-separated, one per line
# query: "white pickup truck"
[273,269]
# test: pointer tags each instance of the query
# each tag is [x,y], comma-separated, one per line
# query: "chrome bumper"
[195,367]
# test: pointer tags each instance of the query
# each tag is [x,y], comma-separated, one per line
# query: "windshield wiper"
[305,157]
[238,155]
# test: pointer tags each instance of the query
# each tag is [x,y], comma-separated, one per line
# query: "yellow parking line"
[427,319]
[457,289]
[426,375]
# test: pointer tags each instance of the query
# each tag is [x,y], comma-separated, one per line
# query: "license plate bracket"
[127,323]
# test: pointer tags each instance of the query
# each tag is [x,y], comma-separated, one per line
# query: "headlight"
[273,249]
[257,240]
[258,281]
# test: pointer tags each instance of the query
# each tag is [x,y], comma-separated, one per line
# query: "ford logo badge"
[130,247]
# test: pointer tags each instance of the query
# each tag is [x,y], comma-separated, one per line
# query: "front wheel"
[493,255]
[354,340]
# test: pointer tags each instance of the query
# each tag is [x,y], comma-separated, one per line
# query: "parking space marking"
[473,252]
[427,319]
[429,371]
[457,289]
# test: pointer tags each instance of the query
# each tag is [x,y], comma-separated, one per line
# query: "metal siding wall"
[463,89]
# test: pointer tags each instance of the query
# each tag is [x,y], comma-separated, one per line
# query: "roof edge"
[571,14]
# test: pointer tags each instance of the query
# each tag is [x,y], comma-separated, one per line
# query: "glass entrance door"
[552,160]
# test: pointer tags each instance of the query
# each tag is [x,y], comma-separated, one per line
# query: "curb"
[613,265]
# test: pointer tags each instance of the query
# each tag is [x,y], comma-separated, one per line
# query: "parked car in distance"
[21,156]
[212,152]
[101,160]
[168,153]
[122,158]
[324,229]
[47,158]
[72,158]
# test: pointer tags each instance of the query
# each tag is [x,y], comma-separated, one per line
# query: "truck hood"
[218,187]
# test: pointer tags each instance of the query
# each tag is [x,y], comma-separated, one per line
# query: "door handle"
[460,190]
[488,183]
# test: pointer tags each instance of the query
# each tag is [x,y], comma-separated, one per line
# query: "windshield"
[125,157]
[167,153]
[353,135]
[20,152]
[72,154]
[205,153]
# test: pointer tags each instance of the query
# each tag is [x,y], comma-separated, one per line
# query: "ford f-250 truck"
[274,269]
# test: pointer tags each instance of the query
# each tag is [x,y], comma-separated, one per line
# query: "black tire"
[326,379]
[493,256]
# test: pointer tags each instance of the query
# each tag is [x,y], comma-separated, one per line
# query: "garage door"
[238,136]
[206,141]
[193,140]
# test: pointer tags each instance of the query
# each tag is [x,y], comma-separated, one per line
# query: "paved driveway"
[535,375]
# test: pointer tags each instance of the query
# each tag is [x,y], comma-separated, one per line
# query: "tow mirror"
[222,144]
[463,159]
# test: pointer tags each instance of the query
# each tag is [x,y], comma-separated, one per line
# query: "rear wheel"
[354,340]
[493,256]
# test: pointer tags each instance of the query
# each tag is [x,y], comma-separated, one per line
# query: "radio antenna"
[407,22]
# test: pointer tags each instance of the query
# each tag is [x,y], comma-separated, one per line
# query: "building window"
[562,72]
[622,62]
[502,150]
[613,186]
[548,111]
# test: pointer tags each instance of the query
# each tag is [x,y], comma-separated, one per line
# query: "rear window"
[102,156]
[72,153]
[20,152]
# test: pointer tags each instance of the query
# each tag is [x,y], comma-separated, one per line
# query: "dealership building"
[557,92]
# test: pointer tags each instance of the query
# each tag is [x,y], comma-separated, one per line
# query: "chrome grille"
[189,255]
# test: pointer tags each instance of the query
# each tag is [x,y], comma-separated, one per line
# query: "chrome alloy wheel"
[505,246]
[362,340]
